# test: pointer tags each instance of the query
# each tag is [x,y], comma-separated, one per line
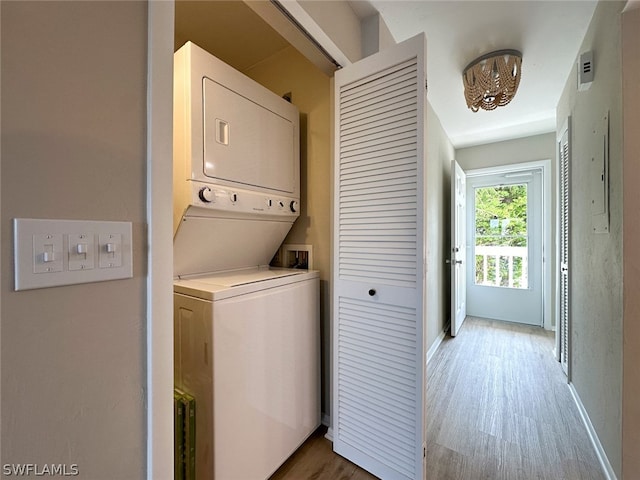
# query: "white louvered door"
[564,154]
[379,363]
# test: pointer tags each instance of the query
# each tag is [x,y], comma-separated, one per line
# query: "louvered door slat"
[564,154]
[379,367]
[362,87]
[381,126]
[403,114]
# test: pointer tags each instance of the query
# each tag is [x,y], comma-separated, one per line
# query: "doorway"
[508,277]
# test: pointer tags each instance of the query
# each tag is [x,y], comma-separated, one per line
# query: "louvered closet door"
[564,155]
[378,298]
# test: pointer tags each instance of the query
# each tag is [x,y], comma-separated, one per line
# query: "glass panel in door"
[501,236]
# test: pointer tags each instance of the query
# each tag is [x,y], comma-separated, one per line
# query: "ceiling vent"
[585,71]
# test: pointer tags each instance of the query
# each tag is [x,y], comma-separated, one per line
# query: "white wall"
[73,146]
[596,259]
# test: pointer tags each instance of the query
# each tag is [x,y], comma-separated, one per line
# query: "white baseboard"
[326,421]
[329,434]
[593,436]
[436,344]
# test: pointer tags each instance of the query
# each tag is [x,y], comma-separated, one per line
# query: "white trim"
[160,251]
[329,435]
[547,242]
[607,469]
[317,33]
[436,344]
[513,167]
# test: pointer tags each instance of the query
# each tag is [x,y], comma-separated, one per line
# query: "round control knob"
[294,206]
[233,197]
[206,195]
[269,203]
[281,204]
[372,292]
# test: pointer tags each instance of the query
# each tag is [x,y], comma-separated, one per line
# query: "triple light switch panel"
[50,253]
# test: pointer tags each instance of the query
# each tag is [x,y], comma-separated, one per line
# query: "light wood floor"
[498,407]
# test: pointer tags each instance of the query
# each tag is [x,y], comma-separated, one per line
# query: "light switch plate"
[81,251]
[47,253]
[50,253]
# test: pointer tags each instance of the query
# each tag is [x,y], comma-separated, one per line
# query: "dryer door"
[245,142]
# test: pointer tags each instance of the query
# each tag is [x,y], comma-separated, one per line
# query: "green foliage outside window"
[501,221]
[507,206]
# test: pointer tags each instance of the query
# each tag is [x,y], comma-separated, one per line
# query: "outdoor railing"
[500,266]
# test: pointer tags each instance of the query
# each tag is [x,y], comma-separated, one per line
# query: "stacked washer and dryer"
[246,335]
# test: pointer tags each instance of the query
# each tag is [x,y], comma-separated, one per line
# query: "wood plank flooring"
[498,407]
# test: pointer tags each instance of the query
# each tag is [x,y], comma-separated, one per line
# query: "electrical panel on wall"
[599,176]
[50,253]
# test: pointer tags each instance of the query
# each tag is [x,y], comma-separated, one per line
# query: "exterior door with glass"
[505,238]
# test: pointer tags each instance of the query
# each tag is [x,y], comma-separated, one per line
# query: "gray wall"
[74,147]
[631,97]
[596,259]
[438,203]
[520,150]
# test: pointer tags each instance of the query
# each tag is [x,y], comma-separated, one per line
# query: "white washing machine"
[247,349]
[246,336]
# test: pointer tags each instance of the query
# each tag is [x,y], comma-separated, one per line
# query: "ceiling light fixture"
[491,81]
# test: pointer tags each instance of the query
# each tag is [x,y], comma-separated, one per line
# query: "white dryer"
[246,336]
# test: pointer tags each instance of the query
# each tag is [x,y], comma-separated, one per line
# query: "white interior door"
[458,247]
[379,354]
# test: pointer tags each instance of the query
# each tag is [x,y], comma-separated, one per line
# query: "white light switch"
[48,253]
[110,250]
[81,251]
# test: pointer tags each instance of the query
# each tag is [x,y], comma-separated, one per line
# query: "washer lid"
[213,244]
[225,285]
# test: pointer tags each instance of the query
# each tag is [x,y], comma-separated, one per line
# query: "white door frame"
[159,348]
[548,250]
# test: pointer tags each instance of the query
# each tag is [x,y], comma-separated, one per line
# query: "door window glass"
[501,237]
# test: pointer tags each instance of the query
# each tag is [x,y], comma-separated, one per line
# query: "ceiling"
[548,33]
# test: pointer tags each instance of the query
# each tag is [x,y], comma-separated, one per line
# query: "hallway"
[499,408]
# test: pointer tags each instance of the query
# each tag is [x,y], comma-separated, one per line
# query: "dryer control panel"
[214,197]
